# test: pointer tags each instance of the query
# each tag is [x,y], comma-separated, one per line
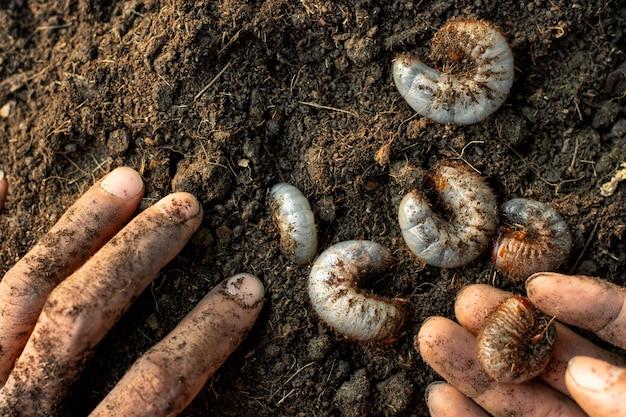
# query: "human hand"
[59,300]
[579,370]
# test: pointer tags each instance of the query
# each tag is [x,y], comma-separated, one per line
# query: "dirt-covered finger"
[82,230]
[164,380]
[451,351]
[84,306]
[444,400]
[599,305]
[598,387]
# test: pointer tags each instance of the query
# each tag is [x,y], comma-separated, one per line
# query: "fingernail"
[538,275]
[431,387]
[246,289]
[179,207]
[122,182]
[592,374]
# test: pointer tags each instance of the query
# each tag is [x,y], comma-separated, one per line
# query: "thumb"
[598,387]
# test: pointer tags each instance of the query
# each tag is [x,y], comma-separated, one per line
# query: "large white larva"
[475,80]
[337,299]
[296,223]
[537,239]
[473,222]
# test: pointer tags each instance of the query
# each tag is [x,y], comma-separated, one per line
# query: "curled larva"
[337,299]
[475,80]
[517,341]
[296,223]
[472,224]
[537,239]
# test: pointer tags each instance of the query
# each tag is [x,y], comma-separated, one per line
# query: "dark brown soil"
[225,98]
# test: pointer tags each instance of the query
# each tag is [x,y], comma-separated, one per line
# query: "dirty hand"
[578,370]
[58,302]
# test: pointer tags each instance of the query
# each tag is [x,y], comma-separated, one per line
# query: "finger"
[82,230]
[475,302]
[586,302]
[85,305]
[451,351]
[598,387]
[164,380]
[446,401]
[4,189]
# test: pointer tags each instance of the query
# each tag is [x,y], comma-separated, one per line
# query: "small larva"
[454,243]
[517,341]
[475,80]
[296,223]
[335,296]
[538,239]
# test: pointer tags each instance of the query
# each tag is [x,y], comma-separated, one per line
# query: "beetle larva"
[335,296]
[295,220]
[475,80]
[454,243]
[538,240]
[517,341]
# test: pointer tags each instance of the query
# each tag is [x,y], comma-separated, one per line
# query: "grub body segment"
[454,242]
[534,239]
[517,341]
[335,295]
[295,221]
[475,79]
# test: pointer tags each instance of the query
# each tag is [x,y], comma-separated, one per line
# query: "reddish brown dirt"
[226,98]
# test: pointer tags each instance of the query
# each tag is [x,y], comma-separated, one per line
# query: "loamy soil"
[225,98]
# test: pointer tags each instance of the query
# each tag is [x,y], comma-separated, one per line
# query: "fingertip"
[597,386]
[444,400]
[433,337]
[430,326]
[433,388]
[590,374]
[467,298]
[474,303]
[539,279]
[432,396]
[123,182]
[425,333]
[554,294]
[546,289]
[465,292]
[180,207]
[246,289]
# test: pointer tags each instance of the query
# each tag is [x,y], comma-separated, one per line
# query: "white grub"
[337,299]
[475,80]
[537,239]
[295,221]
[473,220]
[517,341]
